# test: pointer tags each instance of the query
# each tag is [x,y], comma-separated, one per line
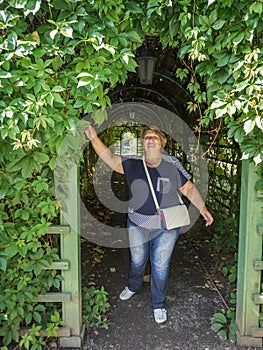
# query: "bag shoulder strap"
[152,189]
[151,185]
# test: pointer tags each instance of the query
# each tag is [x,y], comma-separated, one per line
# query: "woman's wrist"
[202,208]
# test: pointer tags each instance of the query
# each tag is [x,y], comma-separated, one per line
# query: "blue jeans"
[158,246]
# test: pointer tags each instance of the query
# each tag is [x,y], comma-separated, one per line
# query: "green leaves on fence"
[28,163]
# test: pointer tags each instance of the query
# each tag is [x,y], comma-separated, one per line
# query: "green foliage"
[226,246]
[223,242]
[33,339]
[220,45]
[54,324]
[224,324]
[95,306]
[58,60]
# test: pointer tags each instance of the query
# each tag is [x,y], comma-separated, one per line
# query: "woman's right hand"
[90,132]
[113,160]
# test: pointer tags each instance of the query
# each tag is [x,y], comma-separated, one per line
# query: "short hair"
[157,131]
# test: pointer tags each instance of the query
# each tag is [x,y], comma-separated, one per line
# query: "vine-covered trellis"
[62,59]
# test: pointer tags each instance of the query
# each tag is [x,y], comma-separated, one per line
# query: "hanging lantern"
[146,64]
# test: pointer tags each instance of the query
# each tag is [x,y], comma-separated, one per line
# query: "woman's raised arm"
[113,160]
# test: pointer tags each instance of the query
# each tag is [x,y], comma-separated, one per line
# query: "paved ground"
[192,300]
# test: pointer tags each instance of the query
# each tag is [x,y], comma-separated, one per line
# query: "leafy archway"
[59,60]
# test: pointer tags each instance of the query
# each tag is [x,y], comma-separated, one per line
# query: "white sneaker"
[160,315]
[126,294]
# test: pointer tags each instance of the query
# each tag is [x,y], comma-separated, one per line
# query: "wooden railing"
[70,294]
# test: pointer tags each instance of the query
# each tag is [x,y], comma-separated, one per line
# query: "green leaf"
[232,277]
[37,317]
[58,98]
[222,334]
[84,82]
[222,75]
[239,135]
[11,250]
[237,40]
[218,104]
[5,75]
[233,333]
[114,42]
[232,130]
[28,318]
[28,166]
[16,164]
[55,317]
[204,20]
[184,50]
[223,61]
[39,308]
[205,68]
[80,103]
[256,7]
[3,264]
[40,157]
[58,89]
[12,41]
[123,41]
[7,338]
[134,7]
[216,326]
[57,63]
[134,36]
[112,16]
[25,215]
[218,24]
[219,318]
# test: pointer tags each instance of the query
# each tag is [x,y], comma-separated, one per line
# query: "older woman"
[146,236]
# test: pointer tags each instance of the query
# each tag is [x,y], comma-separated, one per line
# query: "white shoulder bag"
[172,217]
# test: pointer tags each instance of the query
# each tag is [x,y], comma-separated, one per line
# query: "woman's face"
[152,141]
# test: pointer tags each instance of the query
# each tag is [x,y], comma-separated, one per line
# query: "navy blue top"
[166,180]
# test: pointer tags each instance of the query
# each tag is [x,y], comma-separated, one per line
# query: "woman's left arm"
[191,192]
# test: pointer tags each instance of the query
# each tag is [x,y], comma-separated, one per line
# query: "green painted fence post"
[70,250]
[250,252]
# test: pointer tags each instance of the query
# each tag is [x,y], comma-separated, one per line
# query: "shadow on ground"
[191,302]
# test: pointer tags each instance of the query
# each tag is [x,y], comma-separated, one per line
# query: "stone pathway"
[191,303]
